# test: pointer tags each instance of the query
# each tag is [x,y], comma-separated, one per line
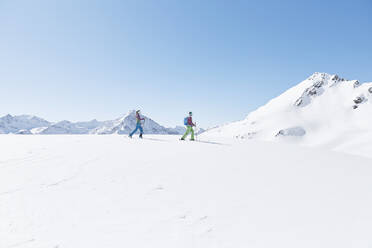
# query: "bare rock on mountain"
[292,131]
[359,99]
[320,81]
[249,135]
[315,90]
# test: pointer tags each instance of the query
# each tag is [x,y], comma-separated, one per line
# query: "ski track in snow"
[75,175]
[10,192]
[113,192]
[21,243]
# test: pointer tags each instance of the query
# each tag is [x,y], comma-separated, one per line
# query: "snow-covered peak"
[303,94]
[319,110]
[28,124]
[317,84]
[64,127]
[7,117]
[89,124]
[127,123]
[14,124]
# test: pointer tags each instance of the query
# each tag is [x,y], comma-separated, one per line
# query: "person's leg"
[192,133]
[141,130]
[134,131]
[186,133]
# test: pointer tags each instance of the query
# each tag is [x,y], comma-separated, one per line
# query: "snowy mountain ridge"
[27,124]
[21,123]
[125,125]
[324,109]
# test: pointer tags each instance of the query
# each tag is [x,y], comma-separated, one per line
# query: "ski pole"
[196,132]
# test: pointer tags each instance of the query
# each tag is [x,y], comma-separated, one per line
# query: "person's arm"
[139,117]
[192,123]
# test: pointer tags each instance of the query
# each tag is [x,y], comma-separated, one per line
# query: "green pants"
[188,130]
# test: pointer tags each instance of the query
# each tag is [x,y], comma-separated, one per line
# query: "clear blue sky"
[85,59]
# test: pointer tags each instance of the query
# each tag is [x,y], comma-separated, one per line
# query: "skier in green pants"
[189,127]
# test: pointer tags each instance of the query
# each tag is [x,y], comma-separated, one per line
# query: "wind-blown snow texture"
[324,110]
[25,124]
[113,192]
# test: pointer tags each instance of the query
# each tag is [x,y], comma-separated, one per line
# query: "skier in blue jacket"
[138,125]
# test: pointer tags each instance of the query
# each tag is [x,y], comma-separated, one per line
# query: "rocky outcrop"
[320,82]
[293,131]
[359,99]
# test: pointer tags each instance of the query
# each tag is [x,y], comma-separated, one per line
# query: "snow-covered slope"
[66,127]
[25,124]
[20,123]
[113,192]
[322,110]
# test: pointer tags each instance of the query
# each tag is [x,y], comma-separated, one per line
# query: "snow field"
[111,191]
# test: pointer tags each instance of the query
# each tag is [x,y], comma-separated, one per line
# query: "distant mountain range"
[27,124]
